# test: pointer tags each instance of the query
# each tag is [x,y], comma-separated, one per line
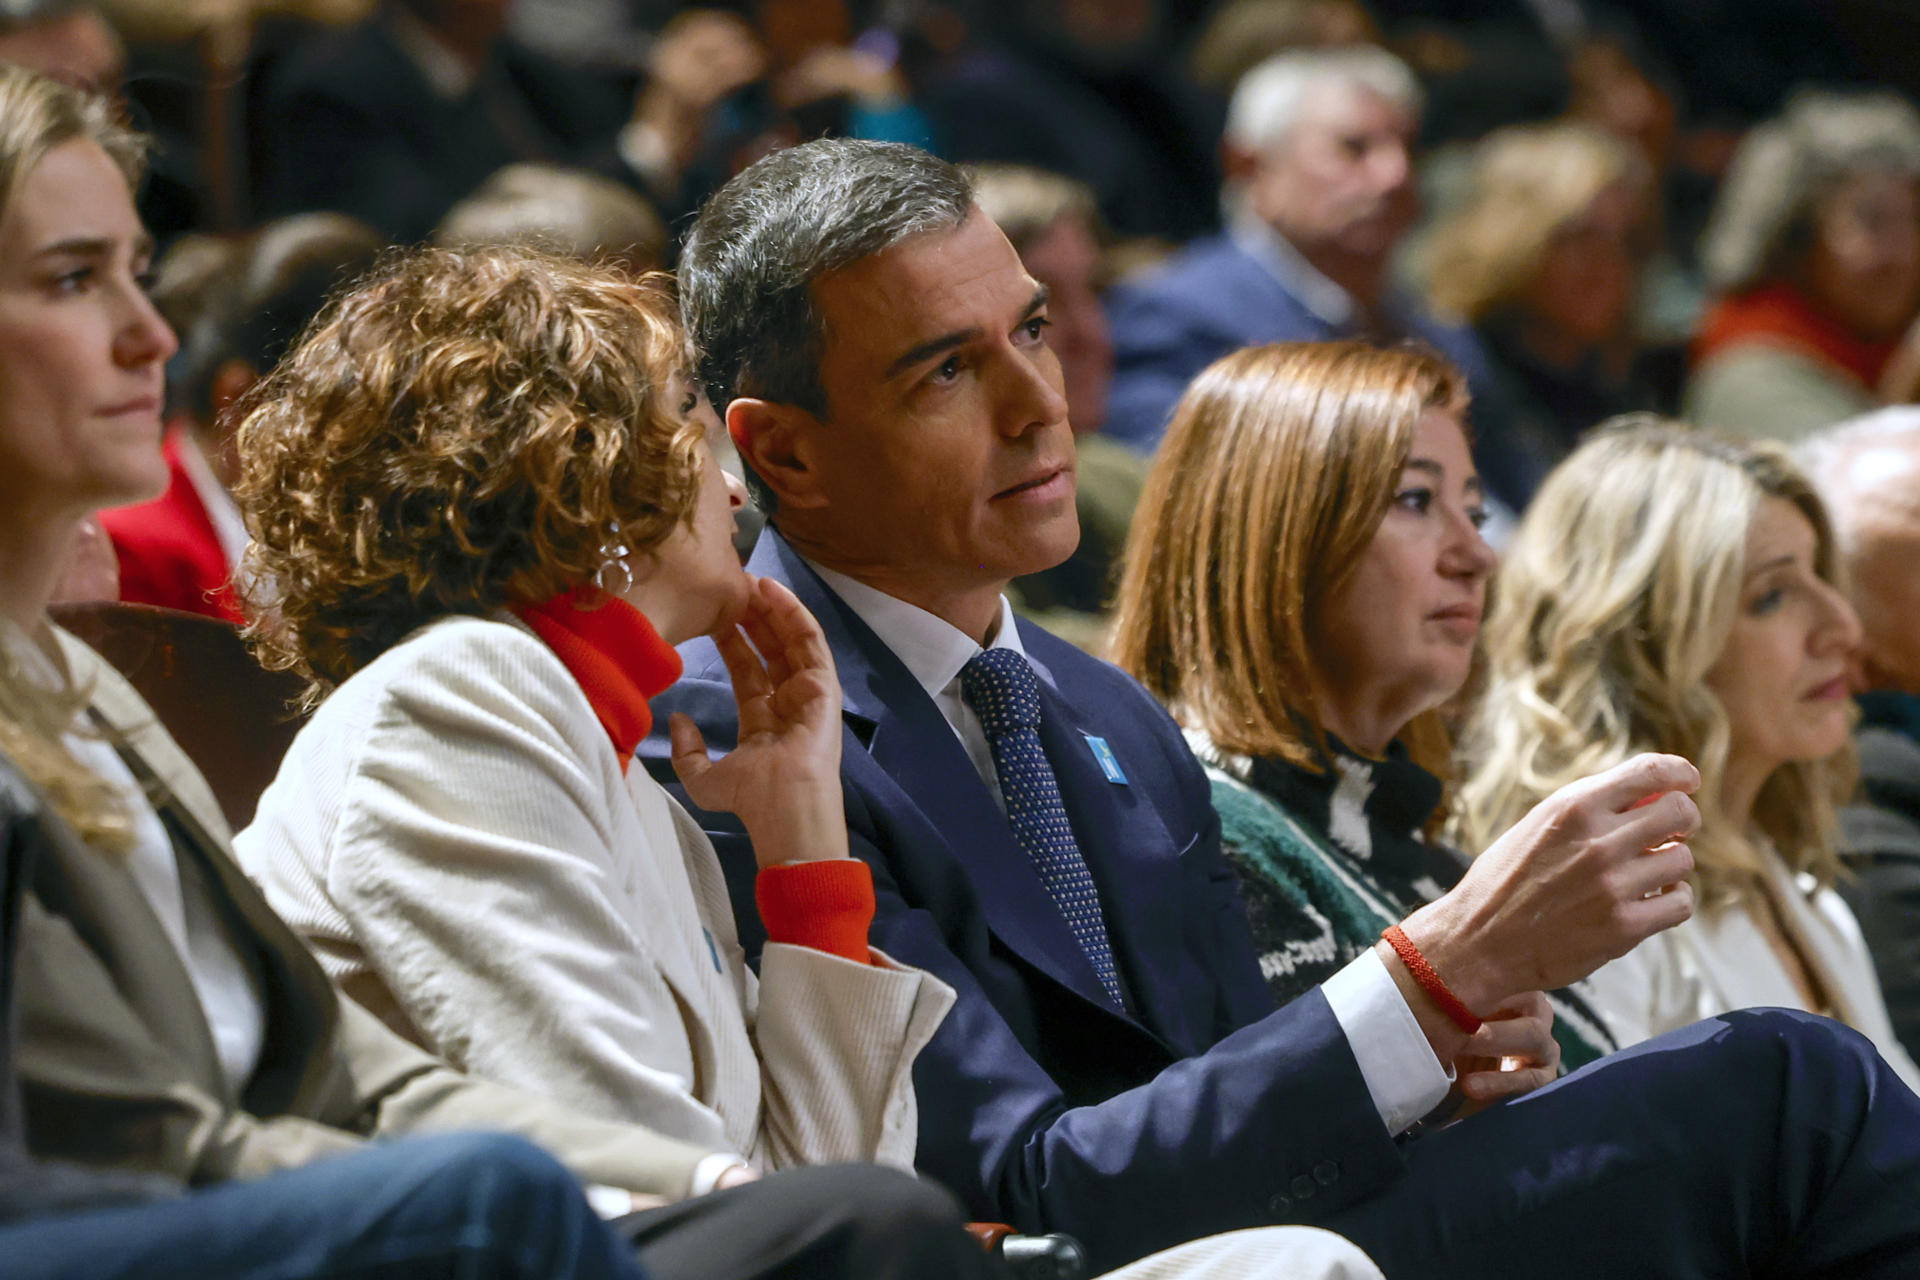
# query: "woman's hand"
[783,777]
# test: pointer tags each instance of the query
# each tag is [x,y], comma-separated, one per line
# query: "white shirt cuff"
[708,1171]
[1404,1077]
[608,1202]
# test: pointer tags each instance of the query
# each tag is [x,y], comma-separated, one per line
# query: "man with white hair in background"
[1868,469]
[1319,192]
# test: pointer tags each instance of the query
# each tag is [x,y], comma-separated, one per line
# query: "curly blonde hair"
[1616,597]
[1276,471]
[461,431]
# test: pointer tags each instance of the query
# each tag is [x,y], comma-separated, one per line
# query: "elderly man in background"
[1319,194]
[1869,470]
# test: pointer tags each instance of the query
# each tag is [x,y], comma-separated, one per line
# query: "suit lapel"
[913,751]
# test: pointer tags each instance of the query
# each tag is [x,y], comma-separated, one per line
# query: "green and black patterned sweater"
[1327,860]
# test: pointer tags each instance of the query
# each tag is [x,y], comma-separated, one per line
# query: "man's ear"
[773,439]
[1237,163]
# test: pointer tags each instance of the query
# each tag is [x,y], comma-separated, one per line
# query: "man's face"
[944,461]
[1882,490]
[1341,179]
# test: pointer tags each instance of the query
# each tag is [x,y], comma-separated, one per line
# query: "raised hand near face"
[783,777]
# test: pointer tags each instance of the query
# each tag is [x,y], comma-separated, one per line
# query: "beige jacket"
[117,1064]
[454,837]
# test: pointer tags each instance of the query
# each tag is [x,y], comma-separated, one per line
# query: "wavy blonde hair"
[1616,596]
[461,431]
[38,114]
[1529,182]
[1275,472]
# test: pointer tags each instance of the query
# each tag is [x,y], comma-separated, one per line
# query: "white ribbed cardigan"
[453,837]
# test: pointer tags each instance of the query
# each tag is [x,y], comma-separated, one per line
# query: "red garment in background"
[1780,315]
[169,553]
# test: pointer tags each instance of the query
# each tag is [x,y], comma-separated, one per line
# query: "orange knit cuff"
[826,905]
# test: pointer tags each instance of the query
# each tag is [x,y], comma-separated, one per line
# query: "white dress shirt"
[1404,1077]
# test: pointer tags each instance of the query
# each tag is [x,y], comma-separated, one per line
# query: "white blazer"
[454,838]
[1721,960]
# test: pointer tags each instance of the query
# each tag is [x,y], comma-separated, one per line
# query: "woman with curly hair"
[484,498]
[1672,590]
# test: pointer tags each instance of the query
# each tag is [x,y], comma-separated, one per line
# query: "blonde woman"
[1544,260]
[1671,590]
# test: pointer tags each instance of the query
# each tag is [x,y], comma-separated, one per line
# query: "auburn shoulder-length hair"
[461,431]
[1616,596]
[1275,472]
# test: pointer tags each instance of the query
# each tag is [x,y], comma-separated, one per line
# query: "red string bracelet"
[1430,982]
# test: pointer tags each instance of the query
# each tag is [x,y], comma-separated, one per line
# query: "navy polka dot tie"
[1000,687]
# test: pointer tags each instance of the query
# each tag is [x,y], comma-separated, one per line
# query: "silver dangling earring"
[615,574]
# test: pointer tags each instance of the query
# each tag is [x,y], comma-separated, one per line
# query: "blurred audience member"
[1320,168]
[572,212]
[1090,89]
[1241,34]
[1309,674]
[69,40]
[1054,227]
[1814,249]
[395,119]
[1868,471]
[1543,261]
[181,549]
[1674,590]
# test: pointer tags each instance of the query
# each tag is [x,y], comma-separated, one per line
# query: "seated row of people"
[170,1021]
[483,507]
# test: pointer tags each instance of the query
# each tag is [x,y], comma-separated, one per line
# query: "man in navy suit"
[1114,1067]
[1319,194]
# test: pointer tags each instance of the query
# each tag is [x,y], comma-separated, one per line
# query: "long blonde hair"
[1616,597]
[1274,475]
[38,114]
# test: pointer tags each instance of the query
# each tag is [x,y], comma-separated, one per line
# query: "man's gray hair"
[748,267]
[1762,222]
[1269,99]
[1827,456]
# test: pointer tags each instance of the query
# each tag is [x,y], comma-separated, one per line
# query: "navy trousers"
[465,1208]
[1760,1143]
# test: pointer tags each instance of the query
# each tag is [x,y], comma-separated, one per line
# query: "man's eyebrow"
[959,337]
[930,348]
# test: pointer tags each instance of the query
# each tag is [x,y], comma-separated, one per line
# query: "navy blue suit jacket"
[1200,1109]
[1213,298]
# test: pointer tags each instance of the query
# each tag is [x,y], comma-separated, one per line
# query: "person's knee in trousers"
[523,1209]
[892,1223]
